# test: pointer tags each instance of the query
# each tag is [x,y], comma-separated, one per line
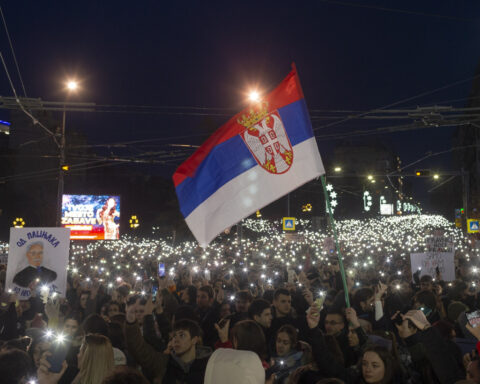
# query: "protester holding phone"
[95,362]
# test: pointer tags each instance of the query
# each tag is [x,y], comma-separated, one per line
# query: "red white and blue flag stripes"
[258,156]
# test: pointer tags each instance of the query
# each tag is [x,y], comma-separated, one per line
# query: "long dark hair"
[391,365]
[249,337]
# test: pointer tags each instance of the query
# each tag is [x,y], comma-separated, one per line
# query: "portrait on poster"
[38,257]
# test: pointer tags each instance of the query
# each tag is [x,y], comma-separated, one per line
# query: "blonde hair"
[97,360]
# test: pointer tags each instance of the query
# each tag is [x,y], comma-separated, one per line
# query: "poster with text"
[91,217]
[38,257]
[427,262]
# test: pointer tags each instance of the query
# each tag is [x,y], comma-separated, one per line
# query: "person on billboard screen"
[106,216]
[34,270]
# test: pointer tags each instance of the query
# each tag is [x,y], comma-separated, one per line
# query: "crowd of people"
[256,306]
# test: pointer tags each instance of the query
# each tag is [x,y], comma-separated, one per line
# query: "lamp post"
[71,86]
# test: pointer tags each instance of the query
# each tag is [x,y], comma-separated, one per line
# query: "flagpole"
[340,259]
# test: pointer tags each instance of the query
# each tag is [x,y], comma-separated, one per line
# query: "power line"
[399,102]
[126,106]
[48,170]
[390,129]
[13,52]
[123,143]
[404,11]
[436,154]
[17,99]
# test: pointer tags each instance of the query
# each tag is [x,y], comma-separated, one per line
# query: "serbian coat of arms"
[267,140]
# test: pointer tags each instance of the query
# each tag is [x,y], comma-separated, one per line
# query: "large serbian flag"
[258,156]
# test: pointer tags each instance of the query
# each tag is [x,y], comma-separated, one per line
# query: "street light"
[254,96]
[436,176]
[338,169]
[71,86]
[369,177]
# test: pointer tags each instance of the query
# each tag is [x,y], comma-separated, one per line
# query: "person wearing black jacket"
[377,365]
[260,311]
[208,313]
[430,352]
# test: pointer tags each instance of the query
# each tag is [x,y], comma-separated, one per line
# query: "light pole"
[71,86]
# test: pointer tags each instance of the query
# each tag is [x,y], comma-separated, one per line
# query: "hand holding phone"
[473,318]
[57,354]
[161,270]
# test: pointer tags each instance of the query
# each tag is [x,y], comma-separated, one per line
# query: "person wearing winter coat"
[183,362]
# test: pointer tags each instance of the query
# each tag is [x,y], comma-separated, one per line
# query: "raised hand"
[352,318]
[130,311]
[149,306]
[52,309]
[380,290]
[313,316]
[44,375]
[223,331]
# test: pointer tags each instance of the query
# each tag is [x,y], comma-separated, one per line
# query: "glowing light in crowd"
[366,245]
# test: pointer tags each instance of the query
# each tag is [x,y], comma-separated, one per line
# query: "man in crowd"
[186,361]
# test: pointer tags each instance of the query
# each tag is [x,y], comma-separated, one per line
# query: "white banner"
[439,242]
[429,261]
[37,256]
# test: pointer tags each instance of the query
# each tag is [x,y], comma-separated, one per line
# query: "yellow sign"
[289,224]
[458,223]
[473,225]
[19,222]
[134,223]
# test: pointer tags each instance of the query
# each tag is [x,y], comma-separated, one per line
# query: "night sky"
[356,55]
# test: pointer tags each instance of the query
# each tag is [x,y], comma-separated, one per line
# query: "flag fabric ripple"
[258,156]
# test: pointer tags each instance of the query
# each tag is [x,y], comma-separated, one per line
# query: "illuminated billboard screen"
[91,217]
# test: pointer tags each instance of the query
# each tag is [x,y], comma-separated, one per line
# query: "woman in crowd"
[95,362]
[288,354]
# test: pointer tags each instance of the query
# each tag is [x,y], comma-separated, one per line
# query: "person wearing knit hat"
[231,366]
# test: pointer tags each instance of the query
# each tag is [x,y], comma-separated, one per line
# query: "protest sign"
[294,237]
[427,262]
[329,244]
[438,242]
[37,256]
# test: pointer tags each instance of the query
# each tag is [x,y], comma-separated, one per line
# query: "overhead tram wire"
[398,102]
[429,155]
[13,51]
[17,99]
[390,129]
[88,165]
[108,163]
[123,143]
[6,178]
[395,10]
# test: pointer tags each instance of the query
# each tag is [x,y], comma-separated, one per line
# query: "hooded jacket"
[231,366]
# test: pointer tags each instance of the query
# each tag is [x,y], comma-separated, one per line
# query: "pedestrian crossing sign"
[473,225]
[289,224]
